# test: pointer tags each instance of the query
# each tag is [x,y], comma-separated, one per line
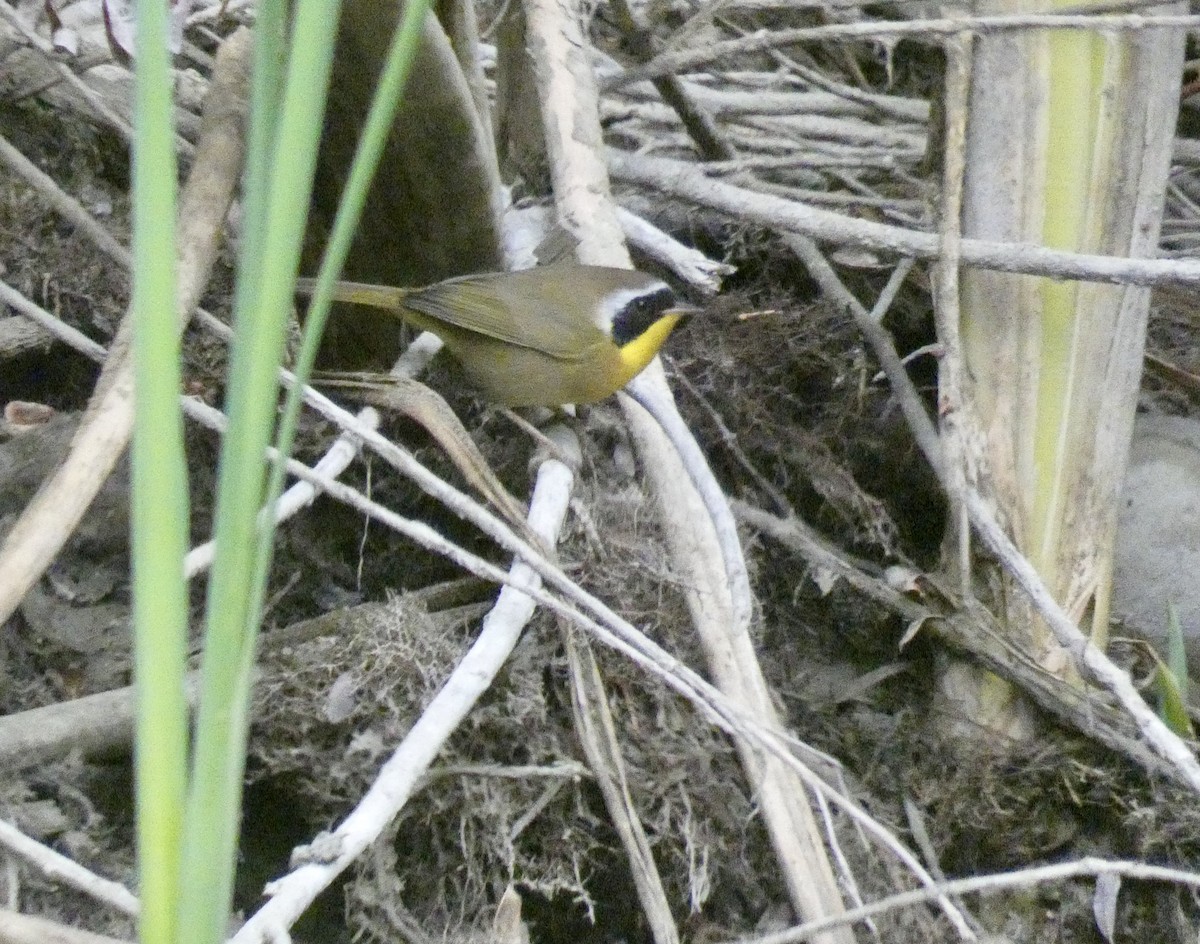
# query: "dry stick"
[907,213]
[66,206]
[540,803]
[1165,741]
[92,725]
[706,12]
[701,535]
[598,736]
[923,430]
[952,396]
[56,327]
[457,502]
[103,723]
[883,303]
[674,63]
[850,887]
[563,769]
[838,141]
[334,462]
[799,160]
[724,103]
[686,262]
[896,107]
[987,885]
[834,99]
[698,122]
[115,121]
[845,135]
[401,774]
[48,521]
[672,424]
[798,536]
[18,336]
[974,633]
[57,867]
[17,928]
[689,182]
[913,112]
[574,146]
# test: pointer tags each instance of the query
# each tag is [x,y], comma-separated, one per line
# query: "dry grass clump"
[510,797]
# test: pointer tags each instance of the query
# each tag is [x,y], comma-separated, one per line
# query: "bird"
[557,334]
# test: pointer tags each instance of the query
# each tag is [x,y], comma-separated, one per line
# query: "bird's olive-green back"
[554,309]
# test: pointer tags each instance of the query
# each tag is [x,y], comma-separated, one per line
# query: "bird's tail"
[358,293]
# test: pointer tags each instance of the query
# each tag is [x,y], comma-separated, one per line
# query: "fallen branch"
[689,182]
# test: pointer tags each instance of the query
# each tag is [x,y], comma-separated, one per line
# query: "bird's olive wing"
[508,309]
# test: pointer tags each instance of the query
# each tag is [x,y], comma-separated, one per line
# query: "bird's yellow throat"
[641,350]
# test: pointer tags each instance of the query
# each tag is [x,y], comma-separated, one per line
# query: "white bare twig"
[17,928]
[689,182]
[1087,657]
[574,146]
[689,264]
[987,885]
[55,326]
[402,773]
[675,63]
[298,496]
[952,367]
[57,867]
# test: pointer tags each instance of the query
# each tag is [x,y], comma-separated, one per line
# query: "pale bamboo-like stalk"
[1068,145]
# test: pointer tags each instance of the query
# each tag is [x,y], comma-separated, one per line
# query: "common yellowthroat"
[563,333]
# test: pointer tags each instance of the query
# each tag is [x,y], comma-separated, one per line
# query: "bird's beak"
[684,312]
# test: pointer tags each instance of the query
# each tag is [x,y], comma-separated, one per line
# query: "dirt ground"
[811,416]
